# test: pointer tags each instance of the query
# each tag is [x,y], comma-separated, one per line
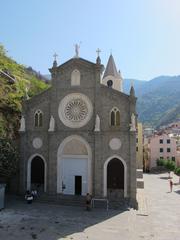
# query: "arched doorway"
[36,173]
[74,166]
[115,177]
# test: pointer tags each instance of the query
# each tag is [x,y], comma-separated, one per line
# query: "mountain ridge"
[157,98]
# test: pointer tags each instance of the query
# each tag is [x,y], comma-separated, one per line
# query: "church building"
[79,136]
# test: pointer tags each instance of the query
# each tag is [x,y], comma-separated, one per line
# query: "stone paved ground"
[164,207]
[157,219]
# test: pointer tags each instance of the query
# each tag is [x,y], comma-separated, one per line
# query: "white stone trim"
[105,174]
[29,171]
[74,156]
[60,157]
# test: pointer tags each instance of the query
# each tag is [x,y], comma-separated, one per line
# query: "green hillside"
[12,93]
[158,100]
[170,116]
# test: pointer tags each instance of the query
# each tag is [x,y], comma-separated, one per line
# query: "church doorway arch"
[36,173]
[115,177]
[74,175]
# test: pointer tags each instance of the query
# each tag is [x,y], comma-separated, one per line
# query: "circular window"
[75,110]
[37,143]
[115,143]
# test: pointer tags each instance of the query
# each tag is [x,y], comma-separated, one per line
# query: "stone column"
[98,168]
[22,165]
[52,163]
[132,146]
[132,165]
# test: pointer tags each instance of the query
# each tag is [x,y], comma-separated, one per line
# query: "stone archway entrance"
[115,179]
[36,173]
[74,166]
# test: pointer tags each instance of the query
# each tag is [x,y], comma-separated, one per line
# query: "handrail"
[7,75]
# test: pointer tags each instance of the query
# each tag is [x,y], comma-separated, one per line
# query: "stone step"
[67,200]
[80,201]
[61,202]
[142,203]
[140,183]
[139,173]
[122,204]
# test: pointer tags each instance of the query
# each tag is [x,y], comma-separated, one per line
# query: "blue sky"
[143,35]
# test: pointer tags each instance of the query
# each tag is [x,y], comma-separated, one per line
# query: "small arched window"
[115,117]
[38,118]
[75,78]
[112,118]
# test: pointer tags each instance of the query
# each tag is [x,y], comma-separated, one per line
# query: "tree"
[2,50]
[177,172]
[9,158]
[170,165]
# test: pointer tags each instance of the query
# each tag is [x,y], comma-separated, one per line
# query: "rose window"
[76,110]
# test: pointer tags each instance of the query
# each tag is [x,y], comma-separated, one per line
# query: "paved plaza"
[158,218]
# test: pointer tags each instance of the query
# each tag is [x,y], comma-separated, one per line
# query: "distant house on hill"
[162,147]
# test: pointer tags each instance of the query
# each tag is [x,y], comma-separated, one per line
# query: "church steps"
[66,200]
[80,201]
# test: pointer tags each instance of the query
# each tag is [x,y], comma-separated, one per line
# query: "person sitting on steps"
[88,202]
[28,197]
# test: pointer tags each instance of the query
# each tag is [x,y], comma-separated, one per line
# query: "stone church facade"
[79,136]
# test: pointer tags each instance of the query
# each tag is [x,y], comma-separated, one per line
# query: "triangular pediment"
[77,61]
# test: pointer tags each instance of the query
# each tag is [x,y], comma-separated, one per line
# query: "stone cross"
[98,52]
[55,56]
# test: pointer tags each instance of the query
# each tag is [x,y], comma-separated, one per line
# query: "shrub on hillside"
[13,95]
[9,158]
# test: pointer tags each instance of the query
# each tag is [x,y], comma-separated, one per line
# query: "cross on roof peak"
[55,56]
[98,51]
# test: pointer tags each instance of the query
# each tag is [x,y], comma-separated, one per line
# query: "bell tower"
[112,78]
